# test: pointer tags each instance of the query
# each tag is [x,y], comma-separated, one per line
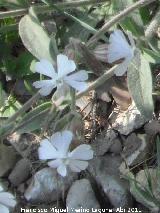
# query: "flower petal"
[122,68]
[44,83]
[7,199]
[62,170]
[81,75]
[64,65]
[61,141]
[46,68]
[46,86]
[3,209]
[118,47]
[47,151]
[78,165]
[55,163]
[82,152]
[79,86]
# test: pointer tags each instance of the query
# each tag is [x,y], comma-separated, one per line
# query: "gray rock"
[105,172]
[47,186]
[8,159]
[152,128]
[103,142]
[116,147]
[20,172]
[81,195]
[127,121]
[136,148]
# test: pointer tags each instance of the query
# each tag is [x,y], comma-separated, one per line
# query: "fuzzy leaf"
[35,39]
[140,85]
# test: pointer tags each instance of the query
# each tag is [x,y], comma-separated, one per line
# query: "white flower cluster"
[56,150]
[7,201]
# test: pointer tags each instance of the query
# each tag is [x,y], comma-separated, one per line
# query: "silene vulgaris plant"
[66,58]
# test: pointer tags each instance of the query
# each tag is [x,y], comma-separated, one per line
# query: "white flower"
[7,200]
[57,150]
[119,48]
[61,77]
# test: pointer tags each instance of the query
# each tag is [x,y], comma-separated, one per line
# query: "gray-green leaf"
[35,39]
[140,85]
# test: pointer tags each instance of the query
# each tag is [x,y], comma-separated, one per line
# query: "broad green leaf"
[140,85]
[35,39]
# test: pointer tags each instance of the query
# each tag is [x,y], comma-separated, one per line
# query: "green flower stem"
[108,74]
[153,26]
[73,99]
[118,18]
[45,9]
[25,107]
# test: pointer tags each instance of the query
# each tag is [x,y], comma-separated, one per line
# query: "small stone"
[116,147]
[103,142]
[81,195]
[8,158]
[105,172]
[136,148]
[47,186]
[127,121]
[152,128]
[20,172]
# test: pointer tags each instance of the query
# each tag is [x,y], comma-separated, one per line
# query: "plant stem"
[73,99]
[153,26]
[108,74]
[25,107]
[118,18]
[44,9]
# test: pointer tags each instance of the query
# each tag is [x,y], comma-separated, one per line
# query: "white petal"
[55,163]
[3,209]
[122,68]
[78,76]
[77,165]
[47,151]
[7,199]
[44,83]
[82,152]
[79,86]
[62,170]
[64,65]
[118,47]
[46,86]
[61,141]
[46,68]
[45,91]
